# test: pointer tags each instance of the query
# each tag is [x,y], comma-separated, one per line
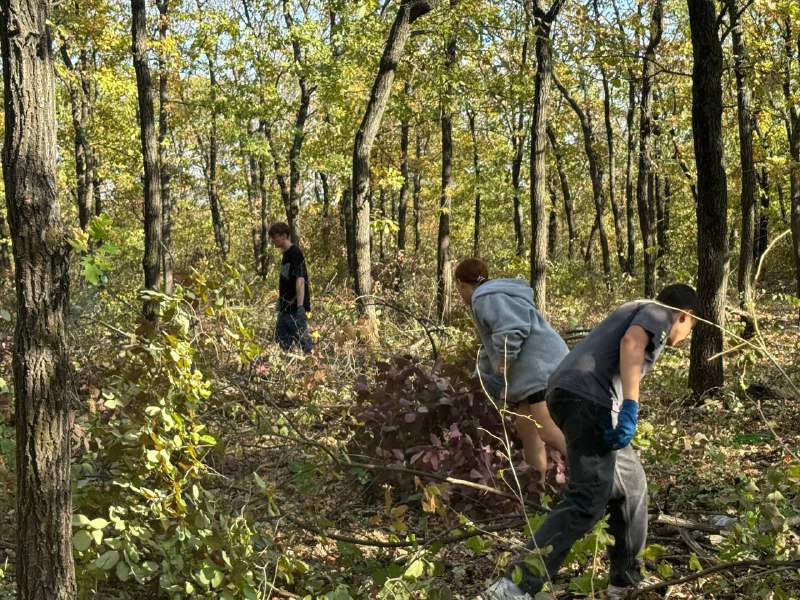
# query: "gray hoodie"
[509,324]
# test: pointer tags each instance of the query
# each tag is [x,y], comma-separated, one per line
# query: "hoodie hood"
[517,288]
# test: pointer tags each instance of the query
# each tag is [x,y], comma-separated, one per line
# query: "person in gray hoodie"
[519,351]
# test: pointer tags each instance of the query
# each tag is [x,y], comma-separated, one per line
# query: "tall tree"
[612,161]
[712,189]
[443,276]
[165,175]
[749,191]
[543,21]
[79,87]
[407,13]
[41,364]
[210,165]
[301,116]
[569,208]
[645,189]
[152,175]
[595,174]
[792,51]
[405,188]
[476,168]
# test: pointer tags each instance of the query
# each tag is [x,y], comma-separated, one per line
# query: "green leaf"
[80,520]
[98,523]
[123,571]
[694,563]
[82,540]
[106,561]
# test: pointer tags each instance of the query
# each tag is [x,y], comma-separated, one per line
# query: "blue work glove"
[300,311]
[622,434]
[495,385]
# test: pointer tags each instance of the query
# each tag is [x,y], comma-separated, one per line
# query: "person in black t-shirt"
[294,295]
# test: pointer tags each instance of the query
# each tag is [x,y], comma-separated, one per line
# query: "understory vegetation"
[209,464]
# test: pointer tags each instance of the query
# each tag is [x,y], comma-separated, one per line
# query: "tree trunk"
[251,173]
[712,218]
[295,180]
[152,176]
[405,189]
[538,168]
[518,138]
[552,224]
[218,221]
[349,231]
[792,45]
[612,163]
[381,236]
[645,196]
[476,167]
[416,192]
[78,88]
[630,258]
[443,275]
[742,68]
[263,237]
[595,174]
[167,261]
[41,363]
[408,12]
[762,228]
[5,245]
[569,209]
[663,201]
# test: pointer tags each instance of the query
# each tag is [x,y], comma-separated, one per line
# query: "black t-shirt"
[293,266]
[591,369]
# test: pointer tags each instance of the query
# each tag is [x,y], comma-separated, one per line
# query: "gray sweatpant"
[600,480]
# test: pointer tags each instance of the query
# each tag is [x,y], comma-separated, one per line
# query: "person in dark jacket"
[519,351]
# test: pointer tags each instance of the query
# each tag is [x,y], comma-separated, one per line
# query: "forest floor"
[707,463]
[354,519]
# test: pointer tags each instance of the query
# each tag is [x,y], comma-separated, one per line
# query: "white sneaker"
[616,592]
[504,589]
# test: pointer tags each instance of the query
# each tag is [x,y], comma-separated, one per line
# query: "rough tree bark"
[79,88]
[407,13]
[476,168]
[619,236]
[712,189]
[595,174]
[41,365]
[543,21]
[405,189]
[749,191]
[164,101]
[443,275]
[645,193]
[792,49]
[218,221]
[518,138]
[152,176]
[295,179]
[569,208]
[416,192]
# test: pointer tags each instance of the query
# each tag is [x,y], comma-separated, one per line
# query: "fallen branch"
[782,564]
[679,523]
[444,539]
[446,479]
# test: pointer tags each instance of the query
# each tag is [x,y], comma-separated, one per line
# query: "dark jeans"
[292,328]
[600,480]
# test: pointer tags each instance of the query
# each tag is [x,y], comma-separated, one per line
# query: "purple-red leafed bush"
[435,418]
